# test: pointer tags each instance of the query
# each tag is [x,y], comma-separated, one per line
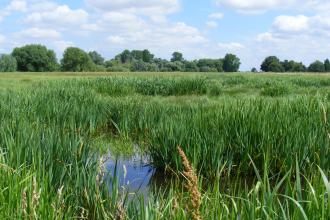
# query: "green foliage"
[276,90]
[317,67]
[8,63]
[96,57]
[231,63]
[190,66]
[292,66]
[177,56]
[275,67]
[254,70]
[76,60]
[141,66]
[257,157]
[272,64]
[135,55]
[327,65]
[210,65]
[35,58]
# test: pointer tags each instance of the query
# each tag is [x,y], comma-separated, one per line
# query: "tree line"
[273,64]
[38,58]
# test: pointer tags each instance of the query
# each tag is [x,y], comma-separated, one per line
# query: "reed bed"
[256,155]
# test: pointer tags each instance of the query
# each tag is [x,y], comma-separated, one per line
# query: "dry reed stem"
[121,214]
[35,196]
[191,186]
[24,203]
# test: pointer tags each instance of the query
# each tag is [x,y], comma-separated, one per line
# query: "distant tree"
[96,58]
[136,55]
[276,67]
[272,64]
[8,63]
[176,66]
[177,56]
[141,66]
[292,66]
[163,65]
[147,56]
[35,58]
[254,70]
[287,65]
[317,67]
[77,60]
[190,66]
[231,63]
[327,65]
[124,57]
[210,65]
[298,67]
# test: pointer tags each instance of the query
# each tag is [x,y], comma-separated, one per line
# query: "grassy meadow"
[254,146]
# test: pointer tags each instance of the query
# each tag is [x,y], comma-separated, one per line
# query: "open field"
[258,143]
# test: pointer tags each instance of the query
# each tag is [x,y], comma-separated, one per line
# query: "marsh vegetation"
[250,146]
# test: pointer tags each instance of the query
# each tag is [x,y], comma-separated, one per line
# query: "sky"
[251,29]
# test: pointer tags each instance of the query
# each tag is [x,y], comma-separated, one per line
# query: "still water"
[134,174]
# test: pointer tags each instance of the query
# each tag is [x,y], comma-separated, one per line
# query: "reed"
[269,151]
[191,186]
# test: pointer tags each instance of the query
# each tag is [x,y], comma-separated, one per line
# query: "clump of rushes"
[191,186]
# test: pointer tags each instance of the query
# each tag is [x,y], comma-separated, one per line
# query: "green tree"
[147,56]
[276,67]
[327,65]
[96,57]
[124,57]
[190,66]
[210,65]
[8,63]
[298,67]
[77,60]
[254,70]
[177,56]
[272,64]
[35,58]
[141,66]
[231,63]
[292,66]
[317,67]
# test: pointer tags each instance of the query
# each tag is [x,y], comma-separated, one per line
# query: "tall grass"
[255,156]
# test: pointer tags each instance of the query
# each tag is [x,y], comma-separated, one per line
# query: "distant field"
[258,144]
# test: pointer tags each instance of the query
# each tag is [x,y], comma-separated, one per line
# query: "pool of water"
[134,174]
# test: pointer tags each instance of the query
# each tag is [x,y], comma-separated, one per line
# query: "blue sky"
[254,29]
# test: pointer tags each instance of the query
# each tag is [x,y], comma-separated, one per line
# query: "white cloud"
[211,24]
[116,39]
[61,14]
[216,16]
[61,45]
[39,33]
[231,46]
[297,23]
[267,36]
[146,7]
[92,27]
[13,6]
[16,5]
[2,39]
[254,6]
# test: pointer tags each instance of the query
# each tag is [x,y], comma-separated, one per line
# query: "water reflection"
[134,174]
